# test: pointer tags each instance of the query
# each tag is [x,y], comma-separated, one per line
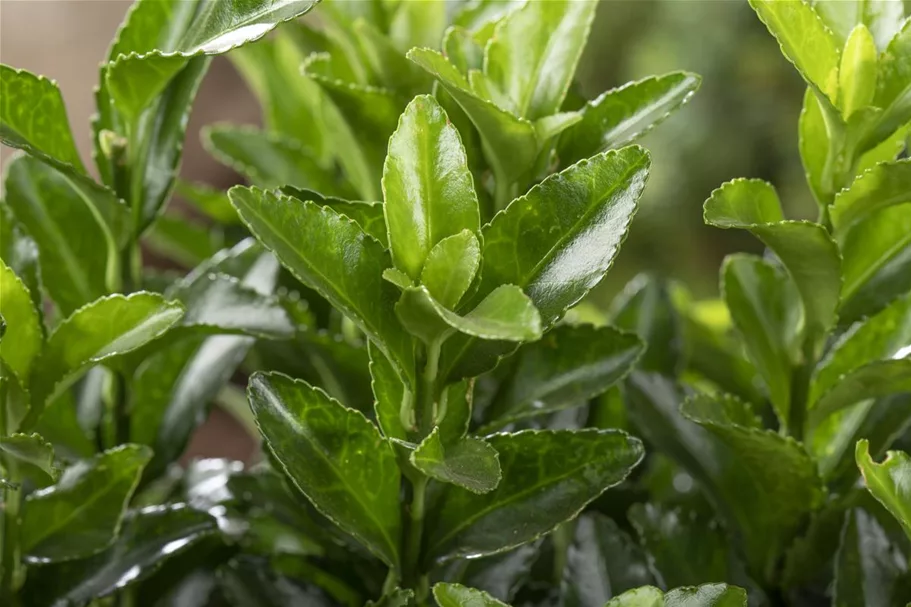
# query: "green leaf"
[389,394]
[620,116]
[183,240]
[19,251]
[644,307]
[332,255]
[805,41]
[451,267]
[388,62]
[883,186]
[31,449]
[461,48]
[368,215]
[99,331]
[268,160]
[893,91]
[562,468]
[882,17]
[868,569]
[73,255]
[534,51]
[857,74]
[396,598]
[149,539]
[706,595]
[509,142]
[602,562]
[779,483]
[566,368]
[805,248]
[813,141]
[22,339]
[469,463]
[505,314]
[335,456]
[456,595]
[763,303]
[428,190]
[888,481]
[81,514]
[33,118]
[418,25]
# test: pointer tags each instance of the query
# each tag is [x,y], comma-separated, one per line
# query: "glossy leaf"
[451,267]
[620,116]
[101,330]
[602,562]
[566,470]
[764,308]
[534,52]
[149,538]
[569,366]
[456,595]
[22,337]
[31,449]
[368,215]
[81,514]
[894,81]
[806,249]
[883,186]
[644,307]
[469,463]
[335,456]
[389,394]
[332,255]
[805,41]
[869,571]
[73,255]
[875,255]
[706,595]
[428,190]
[267,159]
[19,251]
[813,142]
[888,482]
[857,73]
[510,142]
[882,17]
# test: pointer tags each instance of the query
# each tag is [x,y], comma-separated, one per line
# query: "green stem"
[429,397]
[121,415]
[800,392]
[503,193]
[413,576]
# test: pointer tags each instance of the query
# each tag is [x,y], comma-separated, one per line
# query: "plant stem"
[800,391]
[11,561]
[413,577]
[428,390]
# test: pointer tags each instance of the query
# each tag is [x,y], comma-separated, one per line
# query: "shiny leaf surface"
[469,463]
[22,336]
[451,267]
[888,481]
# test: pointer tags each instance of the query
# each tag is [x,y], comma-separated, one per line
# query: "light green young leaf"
[451,267]
[428,190]
[335,456]
[806,249]
[567,367]
[567,469]
[620,116]
[510,143]
[506,314]
[534,51]
[332,255]
[462,50]
[885,185]
[893,91]
[456,595]
[857,74]
[882,17]
[706,595]
[875,254]
[880,378]
[19,251]
[889,481]
[22,339]
[267,159]
[31,449]
[387,61]
[99,331]
[813,141]
[868,568]
[469,463]
[805,41]
[214,203]
[81,514]
[418,24]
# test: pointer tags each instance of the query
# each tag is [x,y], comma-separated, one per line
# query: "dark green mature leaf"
[267,159]
[22,337]
[602,562]
[779,486]
[389,394]
[558,240]
[456,595]
[501,575]
[332,255]
[505,314]
[645,308]
[569,366]
[882,17]
[706,595]
[212,202]
[31,449]
[335,456]
[763,303]
[510,142]
[253,582]
[883,186]
[368,215]
[620,116]
[19,251]
[149,538]
[73,255]
[182,240]
[428,190]
[806,249]
[548,477]
[876,257]
[869,571]
[888,481]
[469,463]
[451,267]
[81,514]
[534,51]
[805,41]
[103,329]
